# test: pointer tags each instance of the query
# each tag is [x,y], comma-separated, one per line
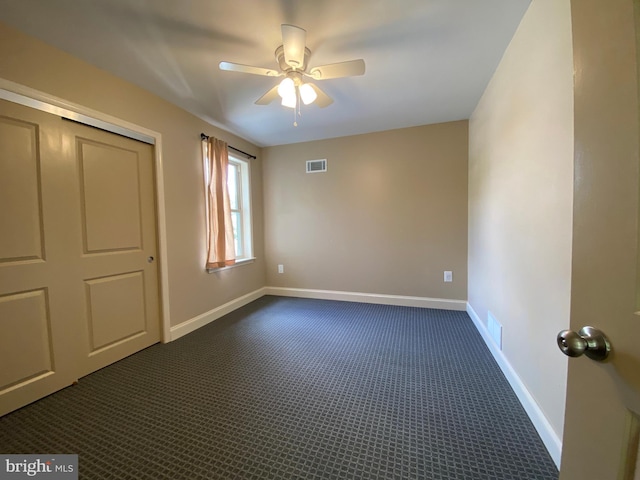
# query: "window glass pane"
[232,184]
[237,233]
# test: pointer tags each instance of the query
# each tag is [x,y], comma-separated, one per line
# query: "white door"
[78,275]
[603,398]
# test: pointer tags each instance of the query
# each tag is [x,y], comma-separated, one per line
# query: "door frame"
[30,97]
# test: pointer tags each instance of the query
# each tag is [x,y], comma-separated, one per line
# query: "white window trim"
[245,198]
[239,263]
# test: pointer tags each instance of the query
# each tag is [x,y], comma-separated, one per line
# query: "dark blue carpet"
[296,389]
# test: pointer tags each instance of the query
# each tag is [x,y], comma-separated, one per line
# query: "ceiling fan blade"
[268,97]
[236,67]
[323,99]
[293,42]
[351,68]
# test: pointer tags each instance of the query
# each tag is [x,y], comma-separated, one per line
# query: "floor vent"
[495,329]
[316,166]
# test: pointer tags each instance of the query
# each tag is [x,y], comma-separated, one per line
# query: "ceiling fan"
[292,57]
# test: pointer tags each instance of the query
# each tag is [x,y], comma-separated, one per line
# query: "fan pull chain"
[296,109]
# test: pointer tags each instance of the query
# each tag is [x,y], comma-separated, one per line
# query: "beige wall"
[29,62]
[388,217]
[520,201]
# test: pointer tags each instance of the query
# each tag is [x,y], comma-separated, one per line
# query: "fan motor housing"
[284,66]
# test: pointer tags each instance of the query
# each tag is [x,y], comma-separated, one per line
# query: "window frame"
[243,199]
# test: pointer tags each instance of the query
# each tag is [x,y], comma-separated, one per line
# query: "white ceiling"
[427,61]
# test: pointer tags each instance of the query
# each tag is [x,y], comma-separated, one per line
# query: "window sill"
[239,263]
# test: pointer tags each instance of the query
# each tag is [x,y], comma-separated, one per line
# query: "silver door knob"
[589,341]
[150,259]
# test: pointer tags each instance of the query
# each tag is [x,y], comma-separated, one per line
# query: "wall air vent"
[316,166]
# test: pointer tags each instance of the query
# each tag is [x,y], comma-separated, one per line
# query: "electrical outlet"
[448,276]
[280,268]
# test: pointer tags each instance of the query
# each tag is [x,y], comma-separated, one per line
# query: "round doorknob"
[589,341]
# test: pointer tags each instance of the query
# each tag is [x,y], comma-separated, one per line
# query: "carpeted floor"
[290,388]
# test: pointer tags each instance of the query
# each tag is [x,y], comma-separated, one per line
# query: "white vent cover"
[316,166]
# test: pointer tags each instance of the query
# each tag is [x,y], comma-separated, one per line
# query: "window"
[238,185]
[239,189]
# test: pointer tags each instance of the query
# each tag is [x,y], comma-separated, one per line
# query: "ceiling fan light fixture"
[292,58]
[290,101]
[287,88]
[307,94]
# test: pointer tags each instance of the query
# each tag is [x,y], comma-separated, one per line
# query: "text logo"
[50,467]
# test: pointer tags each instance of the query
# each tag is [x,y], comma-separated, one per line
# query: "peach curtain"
[221,248]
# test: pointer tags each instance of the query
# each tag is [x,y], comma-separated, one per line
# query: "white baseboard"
[401,300]
[194,323]
[540,422]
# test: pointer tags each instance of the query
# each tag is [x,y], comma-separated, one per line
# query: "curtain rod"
[206,137]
